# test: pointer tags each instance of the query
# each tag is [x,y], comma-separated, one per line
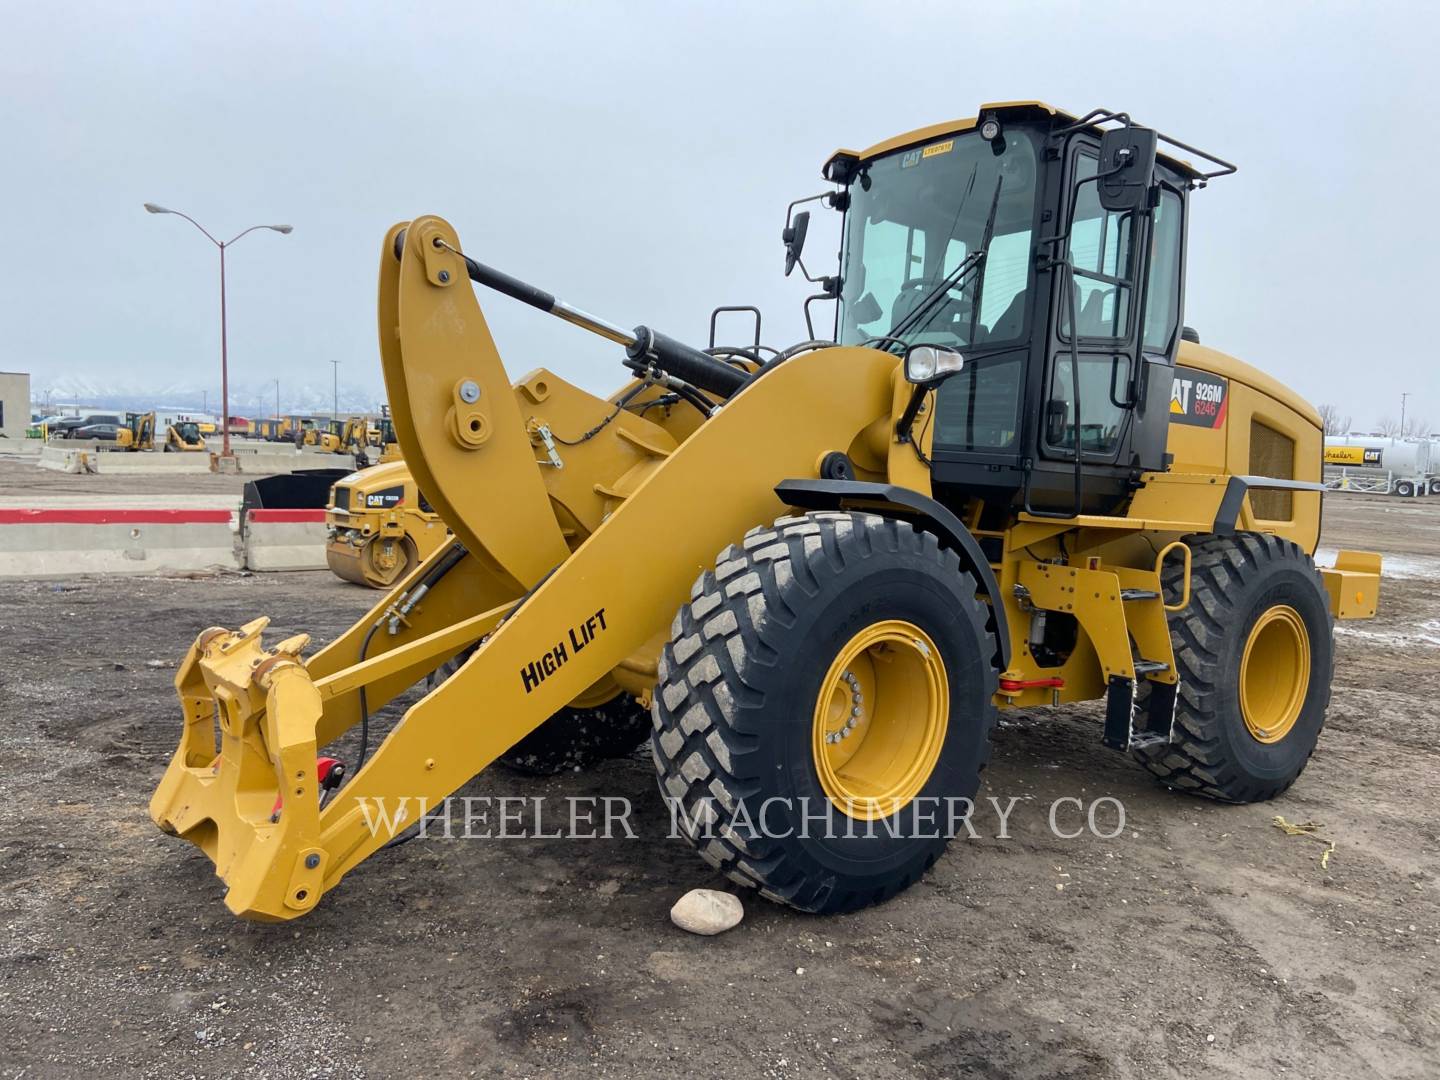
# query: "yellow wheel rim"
[1274,674]
[880,719]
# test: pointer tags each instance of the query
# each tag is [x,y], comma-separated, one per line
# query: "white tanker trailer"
[1378,464]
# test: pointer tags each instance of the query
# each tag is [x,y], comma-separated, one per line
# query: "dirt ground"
[1201,940]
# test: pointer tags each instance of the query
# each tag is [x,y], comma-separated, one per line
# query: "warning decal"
[1198,398]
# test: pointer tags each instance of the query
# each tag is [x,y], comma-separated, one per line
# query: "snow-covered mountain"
[247,397]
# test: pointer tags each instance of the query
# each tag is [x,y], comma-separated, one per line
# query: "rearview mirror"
[1127,168]
[794,237]
[927,365]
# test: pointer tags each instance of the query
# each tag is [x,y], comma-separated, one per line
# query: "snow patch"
[1424,636]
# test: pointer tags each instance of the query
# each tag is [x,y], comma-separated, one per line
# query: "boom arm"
[595,612]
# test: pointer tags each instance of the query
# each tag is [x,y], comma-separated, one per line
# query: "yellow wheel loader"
[1009,478]
[380,526]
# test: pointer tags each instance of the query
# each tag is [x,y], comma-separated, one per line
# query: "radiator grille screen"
[1271,454]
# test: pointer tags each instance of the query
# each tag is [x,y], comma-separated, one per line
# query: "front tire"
[824,707]
[1255,656]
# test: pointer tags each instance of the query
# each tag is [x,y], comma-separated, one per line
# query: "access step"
[1149,667]
[1139,594]
[1126,727]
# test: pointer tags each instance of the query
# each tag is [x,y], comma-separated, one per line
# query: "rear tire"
[1255,656]
[743,719]
[1404,489]
[580,738]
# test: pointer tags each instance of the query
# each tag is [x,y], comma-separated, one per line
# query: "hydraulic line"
[395,615]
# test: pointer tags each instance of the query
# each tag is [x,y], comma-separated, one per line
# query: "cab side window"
[1102,250]
[1162,288]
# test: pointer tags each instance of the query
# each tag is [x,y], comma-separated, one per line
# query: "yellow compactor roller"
[379,526]
[811,576]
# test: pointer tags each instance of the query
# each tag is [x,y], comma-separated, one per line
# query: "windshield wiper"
[953,279]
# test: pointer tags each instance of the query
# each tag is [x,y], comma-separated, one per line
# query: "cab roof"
[1015,109]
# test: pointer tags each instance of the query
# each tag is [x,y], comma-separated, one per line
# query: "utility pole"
[277,399]
[335,389]
[1402,414]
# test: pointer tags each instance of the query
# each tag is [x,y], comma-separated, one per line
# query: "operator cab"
[993,238]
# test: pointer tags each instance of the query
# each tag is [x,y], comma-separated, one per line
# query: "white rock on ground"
[706,911]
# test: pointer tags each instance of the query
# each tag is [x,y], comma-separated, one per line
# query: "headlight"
[925,364]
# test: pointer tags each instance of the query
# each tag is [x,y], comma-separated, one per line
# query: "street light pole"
[224,368]
[1402,413]
[277,399]
[334,389]
[224,357]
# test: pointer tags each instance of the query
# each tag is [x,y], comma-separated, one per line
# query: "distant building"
[14,404]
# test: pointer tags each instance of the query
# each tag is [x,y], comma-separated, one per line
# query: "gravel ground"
[1201,940]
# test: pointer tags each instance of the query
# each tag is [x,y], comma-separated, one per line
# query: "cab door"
[1097,305]
[1116,312]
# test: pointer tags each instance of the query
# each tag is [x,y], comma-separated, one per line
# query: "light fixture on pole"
[224,359]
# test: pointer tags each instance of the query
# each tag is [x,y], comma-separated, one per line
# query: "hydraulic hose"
[450,560]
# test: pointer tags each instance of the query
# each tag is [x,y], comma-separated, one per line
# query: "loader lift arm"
[455,412]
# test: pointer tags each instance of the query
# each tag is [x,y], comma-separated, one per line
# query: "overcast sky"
[636,159]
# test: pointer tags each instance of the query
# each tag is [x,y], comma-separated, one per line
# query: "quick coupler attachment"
[244,785]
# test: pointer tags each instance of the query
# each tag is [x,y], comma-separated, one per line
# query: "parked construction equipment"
[380,526]
[138,432]
[184,437]
[1006,483]
[385,439]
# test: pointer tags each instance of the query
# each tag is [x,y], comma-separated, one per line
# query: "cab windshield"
[914,217]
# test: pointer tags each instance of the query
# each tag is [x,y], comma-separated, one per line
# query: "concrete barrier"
[141,463]
[65,535]
[284,539]
[262,459]
[67,459]
[62,542]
